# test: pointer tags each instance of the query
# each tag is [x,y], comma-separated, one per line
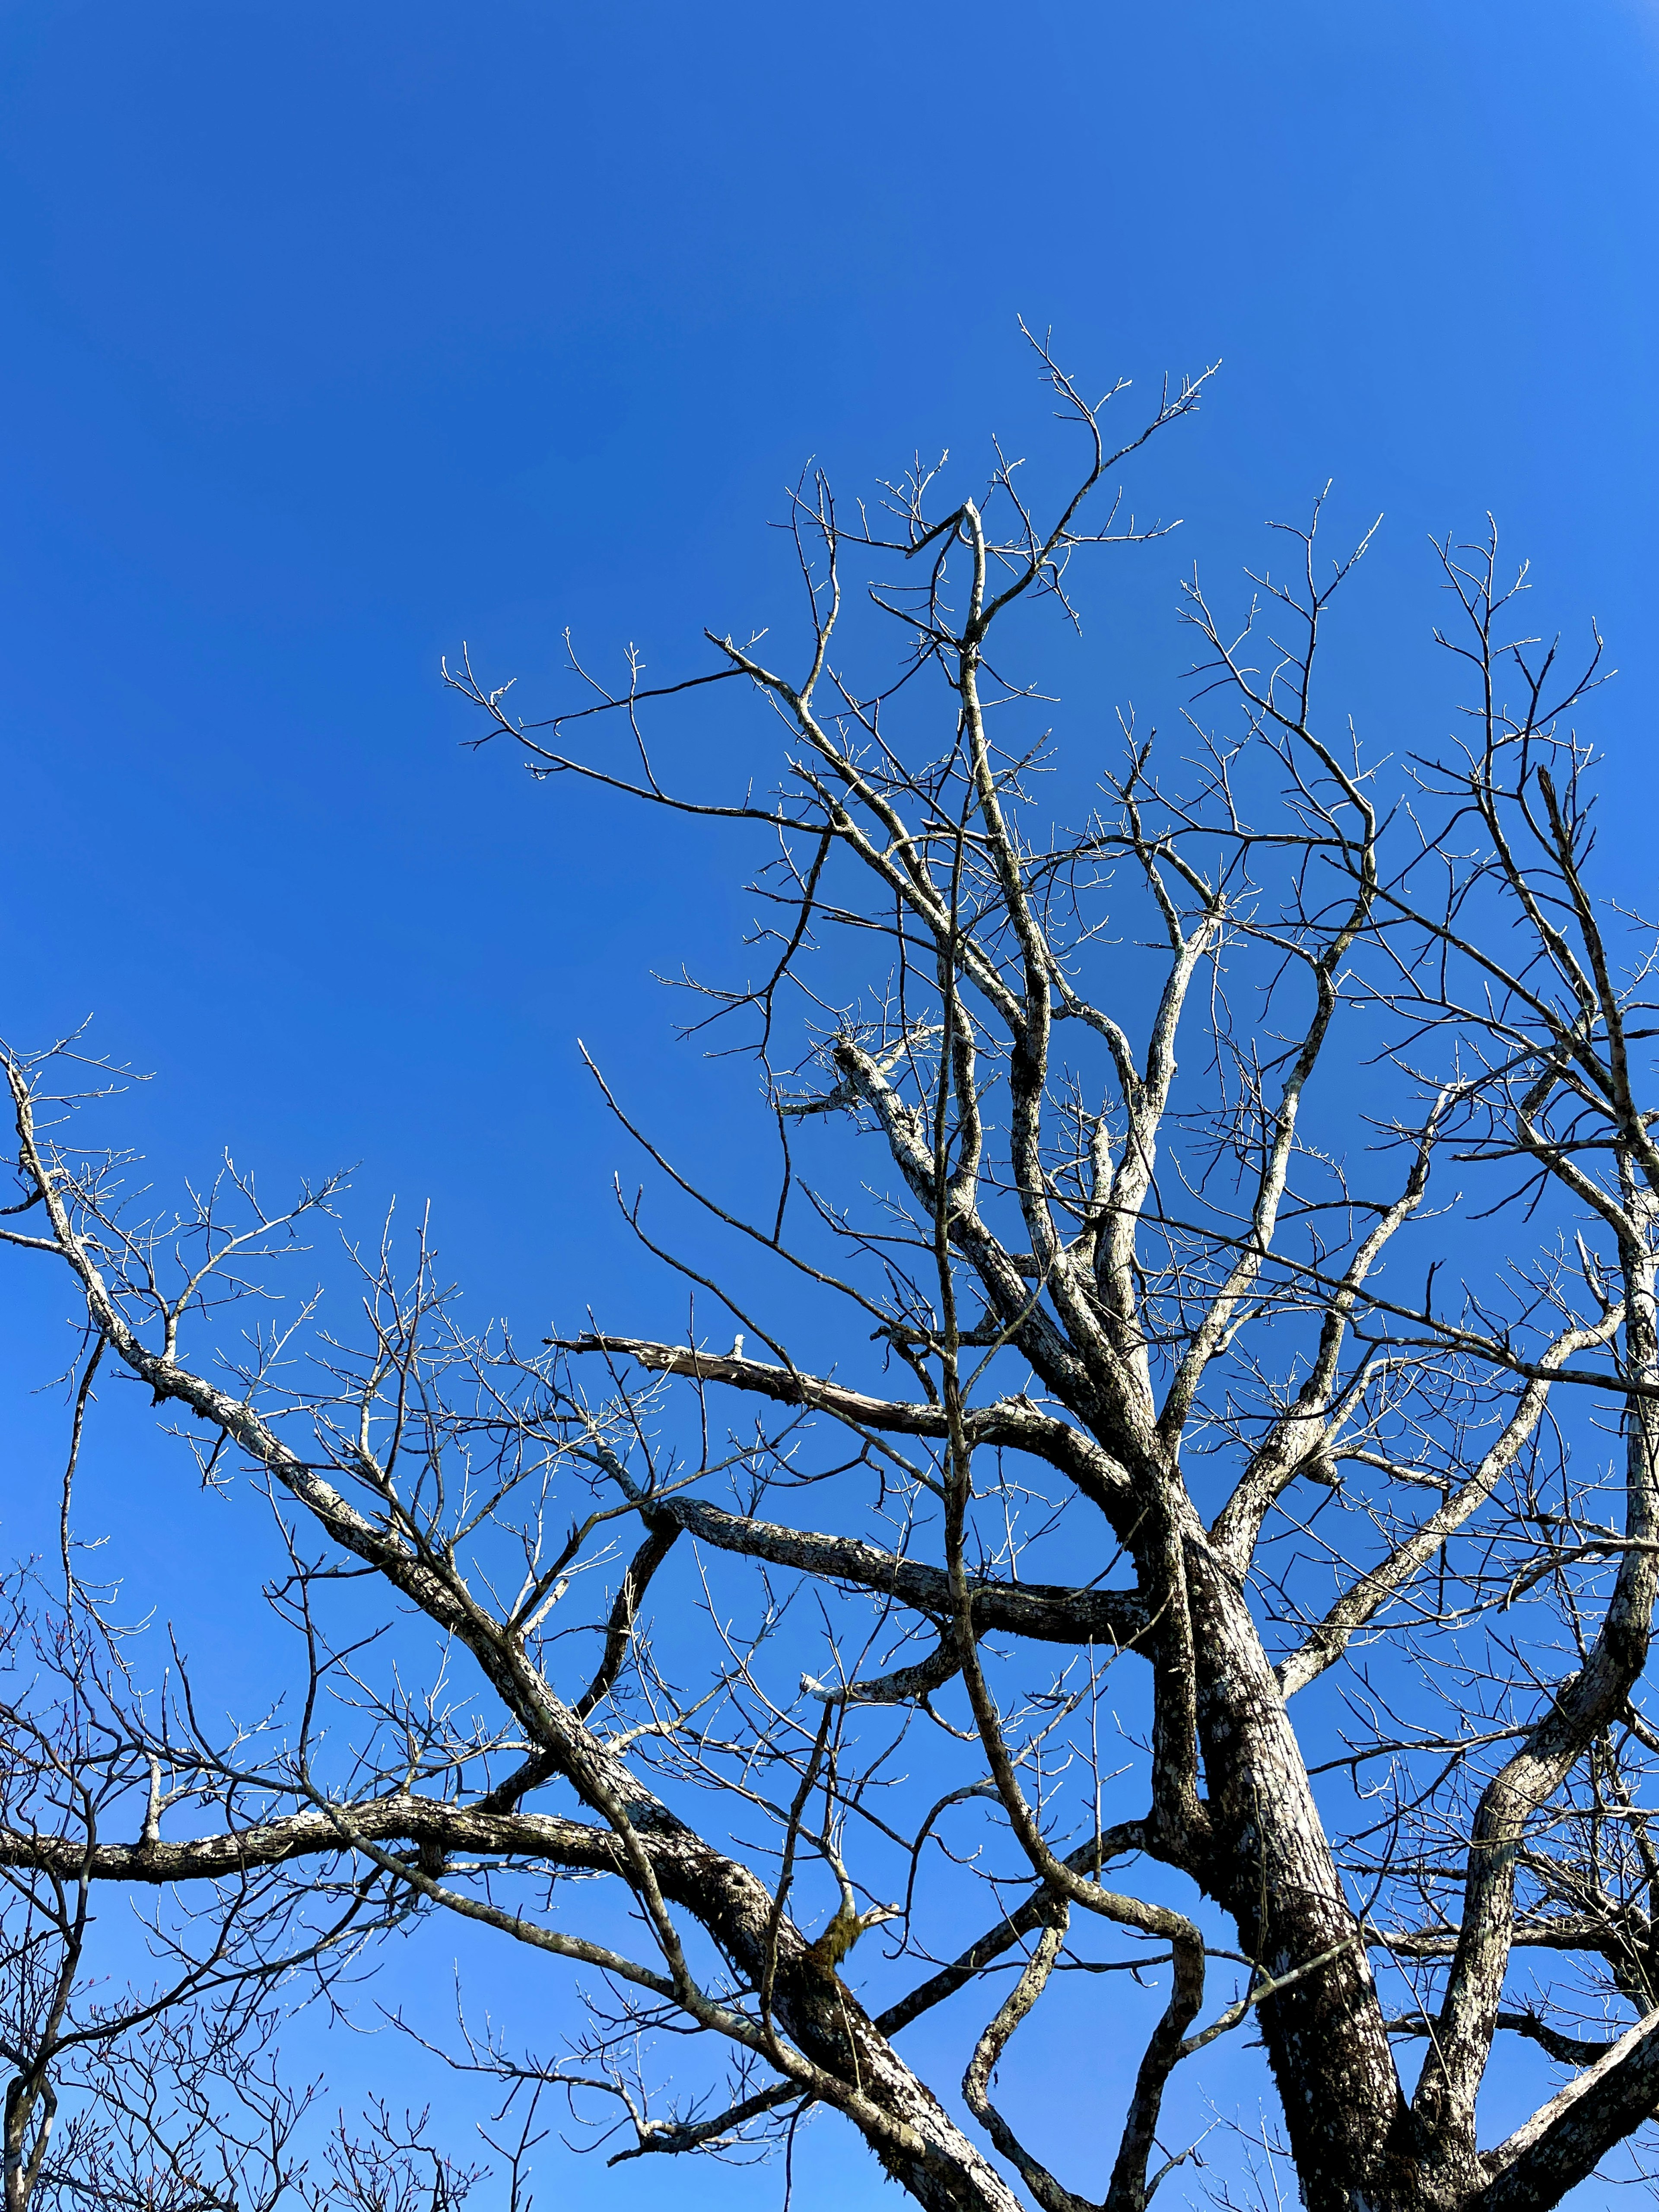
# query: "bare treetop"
[1231,1223]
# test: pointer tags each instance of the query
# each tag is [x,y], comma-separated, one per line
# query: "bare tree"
[171,2095]
[1133,1426]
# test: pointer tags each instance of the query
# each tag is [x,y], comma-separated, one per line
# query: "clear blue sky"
[336,335]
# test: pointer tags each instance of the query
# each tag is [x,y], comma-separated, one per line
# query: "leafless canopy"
[1151,1401]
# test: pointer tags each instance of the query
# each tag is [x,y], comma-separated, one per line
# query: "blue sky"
[335,336]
